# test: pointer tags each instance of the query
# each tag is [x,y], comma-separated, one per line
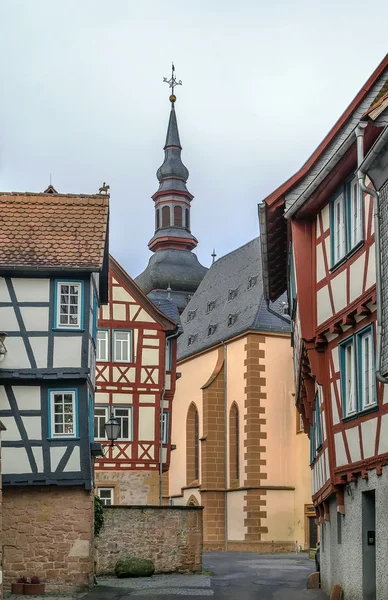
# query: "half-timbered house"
[53,276]
[136,372]
[318,242]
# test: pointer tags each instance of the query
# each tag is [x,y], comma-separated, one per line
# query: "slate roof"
[50,230]
[228,302]
[168,308]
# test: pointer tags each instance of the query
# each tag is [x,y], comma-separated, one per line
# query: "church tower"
[173,270]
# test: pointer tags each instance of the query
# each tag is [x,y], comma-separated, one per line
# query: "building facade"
[318,242]
[238,451]
[173,270]
[135,379]
[53,267]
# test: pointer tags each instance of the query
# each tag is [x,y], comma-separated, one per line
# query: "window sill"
[347,256]
[63,439]
[361,413]
[75,330]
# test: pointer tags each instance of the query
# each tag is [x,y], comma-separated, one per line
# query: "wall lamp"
[3,349]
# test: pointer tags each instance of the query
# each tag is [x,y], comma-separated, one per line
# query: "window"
[166,216]
[62,414]
[232,294]
[106,495]
[312,439]
[357,371]
[251,282]
[187,212]
[196,446]
[157,219]
[191,314]
[355,213]
[318,422]
[338,232]
[165,422]
[178,216]
[339,528]
[169,355]
[122,341]
[191,339]
[211,329]
[234,443]
[299,422]
[69,305]
[102,352]
[123,415]
[100,418]
[192,445]
[366,374]
[231,320]
[210,306]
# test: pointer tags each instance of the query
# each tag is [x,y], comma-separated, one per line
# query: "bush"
[134,567]
[98,515]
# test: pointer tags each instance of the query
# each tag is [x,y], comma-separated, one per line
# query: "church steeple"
[172,267]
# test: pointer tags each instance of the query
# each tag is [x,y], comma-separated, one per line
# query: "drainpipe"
[226,443]
[168,338]
[361,174]
[273,312]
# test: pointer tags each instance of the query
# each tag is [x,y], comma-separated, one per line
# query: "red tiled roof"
[53,230]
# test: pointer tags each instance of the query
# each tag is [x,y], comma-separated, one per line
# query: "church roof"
[172,165]
[228,302]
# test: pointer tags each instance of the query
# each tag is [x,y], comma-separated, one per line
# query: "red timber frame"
[134,378]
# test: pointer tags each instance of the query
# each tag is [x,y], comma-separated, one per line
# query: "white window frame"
[104,416]
[367,378]
[350,379]
[98,345]
[169,355]
[64,434]
[78,285]
[355,214]
[110,501]
[339,229]
[165,424]
[120,417]
[128,341]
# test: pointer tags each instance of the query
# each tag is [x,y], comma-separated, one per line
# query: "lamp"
[112,429]
[3,349]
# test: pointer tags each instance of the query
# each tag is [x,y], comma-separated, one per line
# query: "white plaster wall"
[73,463]
[368,430]
[14,460]
[4,294]
[340,454]
[371,273]
[122,398]
[353,439]
[338,286]
[323,305]
[119,312]
[67,351]
[326,217]
[383,445]
[146,423]
[101,398]
[56,453]
[39,346]
[35,318]
[12,432]
[320,264]
[357,277]
[31,290]
[119,293]
[27,396]
[33,426]
[16,357]
[236,516]
[334,404]
[38,455]
[150,357]
[144,317]
[8,319]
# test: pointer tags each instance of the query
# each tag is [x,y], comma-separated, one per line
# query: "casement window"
[165,424]
[106,495]
[366,368]
[124,416]
[169,355]
[102,345]
[69,304]
[346,216]
[318,422]
[357,370]
[312,439]
[122,346]
[100,418]
[355,213]
[63,414]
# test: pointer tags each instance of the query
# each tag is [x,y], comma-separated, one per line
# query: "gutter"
[168,338]
[262,209]
[363,167]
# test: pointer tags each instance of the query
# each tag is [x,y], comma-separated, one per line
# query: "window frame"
[366,332]
[130,346]
[165,426]
[318,423]
[168,355]
[51,413]
[107,331]
[57,295]
[111,489]
[338,200]
[343,348]
[130,421]
[352,244]
[106,409]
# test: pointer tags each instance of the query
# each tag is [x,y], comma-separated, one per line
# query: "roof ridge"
[54,196]
[236,250]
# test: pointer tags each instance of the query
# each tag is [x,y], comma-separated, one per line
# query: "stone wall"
[48,532]
[170,536]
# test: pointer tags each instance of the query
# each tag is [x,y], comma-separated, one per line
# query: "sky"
[83,98]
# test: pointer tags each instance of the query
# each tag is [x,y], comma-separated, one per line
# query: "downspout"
[276,314]
[361,175]
[226,443]
[168,338]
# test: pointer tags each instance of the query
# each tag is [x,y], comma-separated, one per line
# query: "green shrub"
[98,515]
[134,567]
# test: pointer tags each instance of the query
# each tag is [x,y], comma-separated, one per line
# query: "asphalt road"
[227,576]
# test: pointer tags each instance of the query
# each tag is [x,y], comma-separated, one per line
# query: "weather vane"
[173,82]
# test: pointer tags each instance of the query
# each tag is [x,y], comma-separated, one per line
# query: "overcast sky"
[83,98]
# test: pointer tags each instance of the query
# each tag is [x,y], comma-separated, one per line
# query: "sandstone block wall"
[130,486]
[171,536]
[48,532]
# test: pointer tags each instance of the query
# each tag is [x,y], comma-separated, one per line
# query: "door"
[369,545]
[313,533]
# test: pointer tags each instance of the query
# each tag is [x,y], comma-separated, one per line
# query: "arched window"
[178,216]
[192,445]
[192,501]
[166,216]
[234,444]
[157,219]
[187,218]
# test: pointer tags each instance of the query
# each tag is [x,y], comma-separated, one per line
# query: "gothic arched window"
[178,216]
[166,216]
[192,445]
[157,219]
[234,443]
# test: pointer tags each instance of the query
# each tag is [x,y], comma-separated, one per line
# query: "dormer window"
[211,329]
[252,282]
[232,294]
[231,320]
[210,306]
[191,339]
[191,314]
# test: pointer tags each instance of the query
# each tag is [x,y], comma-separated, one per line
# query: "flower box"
[34,589]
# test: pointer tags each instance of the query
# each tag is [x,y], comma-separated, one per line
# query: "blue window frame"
[346,221]
[358,373]
[95,316]
[63,413]
[91,418]
[69,304]
[318,422]
[313,450]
